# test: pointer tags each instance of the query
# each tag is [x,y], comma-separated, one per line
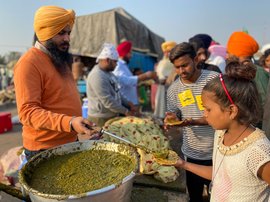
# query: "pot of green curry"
[81,171]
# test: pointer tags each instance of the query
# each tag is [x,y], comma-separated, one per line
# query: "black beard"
[62,60]
[126,59]
[201,65]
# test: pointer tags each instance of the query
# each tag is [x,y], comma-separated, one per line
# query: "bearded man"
[48,101]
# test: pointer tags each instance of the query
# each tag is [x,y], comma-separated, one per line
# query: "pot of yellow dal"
[82,171]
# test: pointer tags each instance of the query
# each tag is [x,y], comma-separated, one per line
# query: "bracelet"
[70,124]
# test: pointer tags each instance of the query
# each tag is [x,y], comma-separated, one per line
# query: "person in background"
[217,56]
[164,69]
[128,82]
[241,156]
[200,44]
[264,60]
[48,101]
[104,98]
[1,79]
[241,47]
[143,87]
[211,59]
[184,103]
[77,68]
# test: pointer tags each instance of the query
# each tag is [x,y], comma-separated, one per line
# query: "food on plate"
[173,122]
[170,159]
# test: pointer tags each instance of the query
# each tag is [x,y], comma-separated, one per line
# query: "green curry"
[80,172]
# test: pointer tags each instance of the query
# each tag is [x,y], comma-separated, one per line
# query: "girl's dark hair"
[180,50]
[242,89]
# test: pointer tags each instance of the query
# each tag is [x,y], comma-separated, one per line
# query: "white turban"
[108,51]
[265,48]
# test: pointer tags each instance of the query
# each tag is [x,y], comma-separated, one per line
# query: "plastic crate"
[5,122]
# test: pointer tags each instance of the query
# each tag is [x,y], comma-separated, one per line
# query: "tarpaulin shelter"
[90,32]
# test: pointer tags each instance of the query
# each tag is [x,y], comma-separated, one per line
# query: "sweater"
[46,101]
[103,92]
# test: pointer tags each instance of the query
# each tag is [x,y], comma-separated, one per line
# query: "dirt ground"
[11,138]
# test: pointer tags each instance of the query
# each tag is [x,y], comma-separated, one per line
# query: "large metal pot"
[117,192]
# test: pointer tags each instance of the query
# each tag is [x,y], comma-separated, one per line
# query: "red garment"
[46,101]
[124,48]
[154,88]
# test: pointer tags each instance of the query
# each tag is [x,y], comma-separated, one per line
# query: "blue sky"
[176,20]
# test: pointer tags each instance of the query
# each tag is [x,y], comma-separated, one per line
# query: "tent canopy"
[114,26]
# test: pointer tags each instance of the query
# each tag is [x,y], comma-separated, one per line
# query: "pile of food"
[146,134]
[168,158]
[173,122]
[80,172]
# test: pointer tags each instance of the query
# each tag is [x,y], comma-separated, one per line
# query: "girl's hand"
[180,163]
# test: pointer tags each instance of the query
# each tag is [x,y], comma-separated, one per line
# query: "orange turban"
[242,44]
[50,20]
[168,46]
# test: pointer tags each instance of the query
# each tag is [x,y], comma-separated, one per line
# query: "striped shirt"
[186,99]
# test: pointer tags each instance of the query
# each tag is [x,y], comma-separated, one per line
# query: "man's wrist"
[70,124]
[191,121]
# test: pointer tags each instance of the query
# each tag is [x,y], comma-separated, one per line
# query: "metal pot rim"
[75,146]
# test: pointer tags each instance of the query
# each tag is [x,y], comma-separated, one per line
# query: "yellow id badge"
[199,102]
[186,98]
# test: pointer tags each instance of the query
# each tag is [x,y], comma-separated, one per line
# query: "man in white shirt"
[128,82]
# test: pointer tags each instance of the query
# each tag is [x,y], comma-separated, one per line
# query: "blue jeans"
[29,154]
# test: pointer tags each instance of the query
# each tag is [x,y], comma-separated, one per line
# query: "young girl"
[241,155]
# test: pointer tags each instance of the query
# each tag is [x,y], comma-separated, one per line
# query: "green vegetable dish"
[80,172]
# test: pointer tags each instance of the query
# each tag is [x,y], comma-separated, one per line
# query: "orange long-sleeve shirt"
[46,101]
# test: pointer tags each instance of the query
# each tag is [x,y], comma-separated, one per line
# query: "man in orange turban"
[241,46]
[48,101]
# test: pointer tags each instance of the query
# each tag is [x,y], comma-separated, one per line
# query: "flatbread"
[173,122]
[171,159]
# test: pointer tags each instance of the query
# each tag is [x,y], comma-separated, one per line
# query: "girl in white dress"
[241,155]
